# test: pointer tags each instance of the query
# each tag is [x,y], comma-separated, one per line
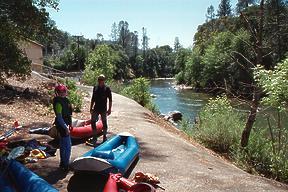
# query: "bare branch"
[248,61]
[253,32]
[267,54]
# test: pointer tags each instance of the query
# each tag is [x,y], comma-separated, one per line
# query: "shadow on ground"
[9,94]
[86,181]
[48,169]
[54,175]
[94,182]
[150,153]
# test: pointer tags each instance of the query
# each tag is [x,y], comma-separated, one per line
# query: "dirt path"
[180,165]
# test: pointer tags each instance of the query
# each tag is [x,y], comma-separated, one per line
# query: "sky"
[163,19]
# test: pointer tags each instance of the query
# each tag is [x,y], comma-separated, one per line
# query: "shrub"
[274,83]
[279,166]
[220,129]
[74,95]
[256,156]
[116,86]
[90,77]
[139,91]
[153,107]
[220,125]
[186,126]
[180,78]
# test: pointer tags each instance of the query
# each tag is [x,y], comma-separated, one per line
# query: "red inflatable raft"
[83,129]
[116,182]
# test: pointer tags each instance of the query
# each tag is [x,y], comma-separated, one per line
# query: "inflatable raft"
[115,155]
[83,129]
[23,180]
[117,183]
[5,185]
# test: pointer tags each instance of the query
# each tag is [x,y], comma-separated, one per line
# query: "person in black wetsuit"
[63,120]
[98,106]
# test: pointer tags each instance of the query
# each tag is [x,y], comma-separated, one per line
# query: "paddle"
[10,132]
[16,152]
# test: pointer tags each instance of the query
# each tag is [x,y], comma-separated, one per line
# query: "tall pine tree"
[224,8]
[210,13]
[243,4]
[114,32]
[177,44]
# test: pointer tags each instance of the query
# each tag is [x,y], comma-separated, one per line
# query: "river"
[189,103]
[167,99]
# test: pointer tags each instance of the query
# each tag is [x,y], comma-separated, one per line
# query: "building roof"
[34,42]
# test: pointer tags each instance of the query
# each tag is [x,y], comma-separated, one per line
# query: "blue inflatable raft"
[5,185]
[23,180]
[116,155]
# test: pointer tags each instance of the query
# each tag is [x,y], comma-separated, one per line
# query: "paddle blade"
[16,152]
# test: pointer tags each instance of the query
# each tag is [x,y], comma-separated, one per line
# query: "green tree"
[177,44]
[180,65]
[99,39]
[244,4]
[69,58]
[241,68]
[15,27]
[100,61]
[139,66]
[159,62]
[145,48]
[134,50]
[224,8]
[217,59]
[114,32]
[276,25]
[124,34]
[54,41]
[144,41]
[275,84]
[121,63]
[165,61]
[139,91]
[180,60]
[210,13]
[194,68]
[151,63]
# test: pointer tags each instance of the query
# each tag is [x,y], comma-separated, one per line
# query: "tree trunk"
[258,38]
[251,119]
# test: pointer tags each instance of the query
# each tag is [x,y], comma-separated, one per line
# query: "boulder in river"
[175,115]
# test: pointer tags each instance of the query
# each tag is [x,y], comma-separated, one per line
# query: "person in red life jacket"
[98,106]
[63,120]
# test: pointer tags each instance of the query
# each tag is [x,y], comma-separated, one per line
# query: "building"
[34,52]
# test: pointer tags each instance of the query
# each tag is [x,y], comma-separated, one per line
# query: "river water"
[167,99]
[189,103]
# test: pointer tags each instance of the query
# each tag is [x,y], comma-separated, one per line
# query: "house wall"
[34,52]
